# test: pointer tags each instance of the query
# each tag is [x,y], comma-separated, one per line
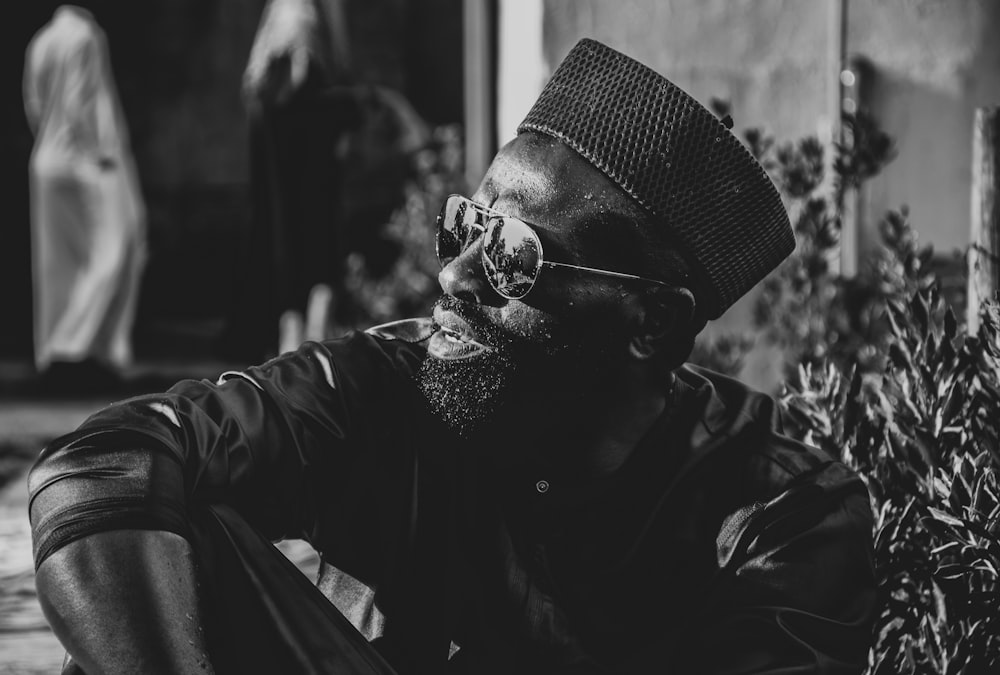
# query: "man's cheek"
[524,322]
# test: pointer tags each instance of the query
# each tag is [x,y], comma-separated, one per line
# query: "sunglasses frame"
[492,215]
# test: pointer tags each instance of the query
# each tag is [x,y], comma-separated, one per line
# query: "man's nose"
[464,278]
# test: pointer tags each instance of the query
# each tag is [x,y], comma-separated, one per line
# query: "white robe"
[87,213]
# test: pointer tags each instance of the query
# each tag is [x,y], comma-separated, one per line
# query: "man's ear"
[665,312]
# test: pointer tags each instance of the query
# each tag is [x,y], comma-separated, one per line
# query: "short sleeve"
[274,442]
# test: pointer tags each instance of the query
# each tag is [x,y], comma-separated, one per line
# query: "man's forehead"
[518,176]
[545,178]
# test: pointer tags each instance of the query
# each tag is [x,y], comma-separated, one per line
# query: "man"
[529,482]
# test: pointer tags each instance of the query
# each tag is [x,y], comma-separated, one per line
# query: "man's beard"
[465,394]
[468,394]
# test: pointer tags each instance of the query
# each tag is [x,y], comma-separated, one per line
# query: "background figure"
[87,213]
[299,107]
[309,118]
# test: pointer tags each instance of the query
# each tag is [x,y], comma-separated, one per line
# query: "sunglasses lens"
[511,257]
[454,224]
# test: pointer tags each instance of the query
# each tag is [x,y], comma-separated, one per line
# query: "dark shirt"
[720,546]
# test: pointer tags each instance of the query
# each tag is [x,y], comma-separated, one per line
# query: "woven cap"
[675,158]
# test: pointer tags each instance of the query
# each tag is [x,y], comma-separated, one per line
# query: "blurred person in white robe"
[87,212]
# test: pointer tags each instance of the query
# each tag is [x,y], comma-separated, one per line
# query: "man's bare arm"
[126,601]
[111,503]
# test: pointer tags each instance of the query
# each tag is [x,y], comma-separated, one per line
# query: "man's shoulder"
[757,474]
[744,429]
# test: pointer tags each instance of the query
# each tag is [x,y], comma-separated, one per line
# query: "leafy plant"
[923,435]
[806,306]
[408,286]
[723,354]
[884,377]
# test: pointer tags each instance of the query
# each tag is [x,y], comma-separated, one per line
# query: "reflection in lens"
[511,257]
[457,226]
[449,223]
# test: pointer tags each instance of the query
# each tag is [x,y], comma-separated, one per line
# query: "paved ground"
[27,646]
[27,422]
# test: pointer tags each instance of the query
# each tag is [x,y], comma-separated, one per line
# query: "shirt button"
[542,486]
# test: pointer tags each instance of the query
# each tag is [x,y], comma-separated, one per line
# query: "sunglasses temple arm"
[606,273]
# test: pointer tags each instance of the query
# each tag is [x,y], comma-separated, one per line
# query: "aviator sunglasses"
[511,253]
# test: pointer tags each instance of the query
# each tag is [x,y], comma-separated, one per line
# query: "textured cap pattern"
[675,158]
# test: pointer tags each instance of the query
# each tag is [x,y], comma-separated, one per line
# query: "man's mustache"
[478,322]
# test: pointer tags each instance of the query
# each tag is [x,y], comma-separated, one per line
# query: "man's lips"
[454,338]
